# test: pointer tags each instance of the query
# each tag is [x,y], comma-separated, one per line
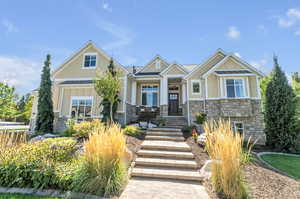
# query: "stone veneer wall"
[247,111]
[163,110]
[130,113]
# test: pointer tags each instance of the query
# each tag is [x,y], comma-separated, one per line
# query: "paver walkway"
[165,168]
[145,188]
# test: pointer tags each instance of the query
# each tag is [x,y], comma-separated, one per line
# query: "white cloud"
[297,32]
[259,63]
[237,54]
[233,33]
[9,26]
[292,16]
[20,73]
[107,7]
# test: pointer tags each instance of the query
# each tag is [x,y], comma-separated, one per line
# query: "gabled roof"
[195,69]
[88,44]
[151,61]
[245,64]
[174,65]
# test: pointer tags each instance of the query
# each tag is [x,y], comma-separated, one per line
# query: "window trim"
[238,122]
[158,94]
[244,87]
[83,61]
[192,86]
[81,98]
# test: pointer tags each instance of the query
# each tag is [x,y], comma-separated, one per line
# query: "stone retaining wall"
[247,111]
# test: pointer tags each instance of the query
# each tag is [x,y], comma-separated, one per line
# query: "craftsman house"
[223,86]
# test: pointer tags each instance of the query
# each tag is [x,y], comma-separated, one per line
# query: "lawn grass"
[285,163]
[24,196]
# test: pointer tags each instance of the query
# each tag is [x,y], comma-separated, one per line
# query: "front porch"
[164,96]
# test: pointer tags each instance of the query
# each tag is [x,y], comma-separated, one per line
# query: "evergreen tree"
[105,102]
[280,107]
[45,115]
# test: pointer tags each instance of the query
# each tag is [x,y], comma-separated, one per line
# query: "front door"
[173,103]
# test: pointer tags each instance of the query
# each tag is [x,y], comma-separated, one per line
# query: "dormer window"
[90,60]
[157,64]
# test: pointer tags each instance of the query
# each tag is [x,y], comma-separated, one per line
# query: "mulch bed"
[200,155]
[264,183]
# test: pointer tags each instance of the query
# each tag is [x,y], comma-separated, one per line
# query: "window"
[196,87]
[238,127]
[81,108]
[90,61]
[157,64]
[235,88]
[149,95]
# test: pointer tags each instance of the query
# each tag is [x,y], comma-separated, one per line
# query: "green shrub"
[161,122]
[132,130]
[70,131]
[188,129]
[39,164]
[84,128]
[200,118]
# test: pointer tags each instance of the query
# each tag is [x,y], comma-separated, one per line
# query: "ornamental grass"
[11,138]
[226,148]
[104,170]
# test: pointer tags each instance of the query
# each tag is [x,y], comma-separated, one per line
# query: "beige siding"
[175,70]
[253,86]
[74,68]
[129,90]
[213,86]
[206,66]
[230,64]
[202,87]
[66,93]
[152,68]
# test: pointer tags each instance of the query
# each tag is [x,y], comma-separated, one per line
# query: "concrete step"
[177,174]
[167,154]
[165,145]
[159,137]
[163,133]
[165,129]
[163,162]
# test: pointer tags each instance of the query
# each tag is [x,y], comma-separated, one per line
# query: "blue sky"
[133,31]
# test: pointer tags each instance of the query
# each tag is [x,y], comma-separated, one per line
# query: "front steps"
[164,154]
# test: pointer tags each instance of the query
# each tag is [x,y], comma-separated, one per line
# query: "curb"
[48,192]
[258,155]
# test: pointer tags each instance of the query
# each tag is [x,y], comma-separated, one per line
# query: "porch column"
[133,92]
[164,96]
[183,93]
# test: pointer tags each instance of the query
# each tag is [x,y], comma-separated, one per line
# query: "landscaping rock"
[43,137]
[128,156]
[80,149]
[201,139]
[205,171]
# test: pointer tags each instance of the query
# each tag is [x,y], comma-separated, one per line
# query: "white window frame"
[157,64]
[235,128]
[146,91]
[81,98]
[89,54]
[244,88]
[192,86]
